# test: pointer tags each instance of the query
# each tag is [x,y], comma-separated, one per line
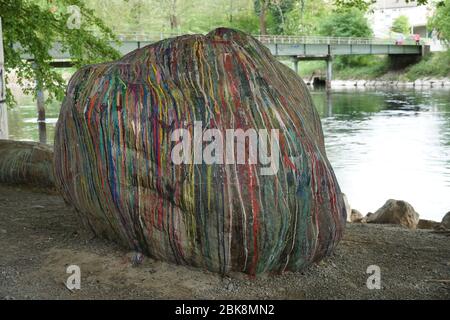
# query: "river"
[383,144]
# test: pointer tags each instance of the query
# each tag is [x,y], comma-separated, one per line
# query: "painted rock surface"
[27,163]
[115,161]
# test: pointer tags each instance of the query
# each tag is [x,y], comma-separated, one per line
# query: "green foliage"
[307,68]
[441,20]
[306,16]
[371,68]
[32,27]
[435,64]
[401,25]
[176,16]
[362,5]
[246,22]
[278,10]
[346,23]
[375,67]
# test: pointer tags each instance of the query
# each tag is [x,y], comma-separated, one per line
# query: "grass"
[434,65]
[366,72]
[359,68]
[307,68]
[375,67]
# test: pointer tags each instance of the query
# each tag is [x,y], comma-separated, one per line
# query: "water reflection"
[23,123]
[390,144]
[382,144]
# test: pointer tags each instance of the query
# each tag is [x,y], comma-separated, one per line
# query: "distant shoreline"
[425,83]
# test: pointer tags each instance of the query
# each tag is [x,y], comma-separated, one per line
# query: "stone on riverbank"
[395,212]
[446,221]
[427,224]
[356,216]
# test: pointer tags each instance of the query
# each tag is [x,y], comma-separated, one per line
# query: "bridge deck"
[283,46]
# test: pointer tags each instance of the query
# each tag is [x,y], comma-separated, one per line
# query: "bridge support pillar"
[295,65]
[329,73]
[41,116]
[40,100]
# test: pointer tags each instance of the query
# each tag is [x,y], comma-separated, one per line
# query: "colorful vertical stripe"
[113,146]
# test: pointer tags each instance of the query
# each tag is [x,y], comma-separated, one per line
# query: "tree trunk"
[40,102]
[173,19]
[262,17]
[41,116]
[3,115]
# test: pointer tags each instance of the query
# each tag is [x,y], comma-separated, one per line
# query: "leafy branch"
[33,27]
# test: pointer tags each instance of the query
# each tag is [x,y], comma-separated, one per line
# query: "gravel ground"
[40,236]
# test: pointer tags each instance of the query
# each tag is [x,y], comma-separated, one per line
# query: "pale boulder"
[356,216]
[446,221]
[395,212]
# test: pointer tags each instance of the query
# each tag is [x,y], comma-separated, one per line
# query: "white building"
[386,11]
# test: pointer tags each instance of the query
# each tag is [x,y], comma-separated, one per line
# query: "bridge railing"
[281,39]
[271,39]
[148,36]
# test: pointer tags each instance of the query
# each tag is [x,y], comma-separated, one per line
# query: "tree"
[32,27]
[279,9]
[364,5]
[346,23]
[262,8]
[272,14]
[172,13]
[441,20]
[401,25]
[306,16]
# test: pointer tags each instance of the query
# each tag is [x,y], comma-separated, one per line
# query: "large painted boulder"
[140,152]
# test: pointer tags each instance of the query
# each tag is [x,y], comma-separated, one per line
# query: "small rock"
[427,224]
[230,286]
[136,259]
[9,298]
[446,221]
[356,216]
[3,231]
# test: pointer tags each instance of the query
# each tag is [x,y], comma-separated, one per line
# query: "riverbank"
[431,71]
[41,236]
[423,83]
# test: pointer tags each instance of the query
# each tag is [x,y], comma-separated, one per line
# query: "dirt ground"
[40,236]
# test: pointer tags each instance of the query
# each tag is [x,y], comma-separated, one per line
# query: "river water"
[383,144]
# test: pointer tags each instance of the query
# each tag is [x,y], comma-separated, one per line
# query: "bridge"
[295,48]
